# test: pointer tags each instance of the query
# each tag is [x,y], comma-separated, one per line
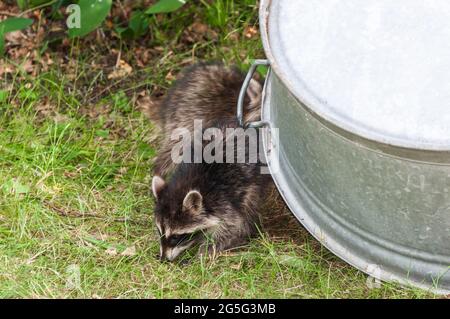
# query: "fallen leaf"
[122,70]
[6,68]
[70,174]
[112,251]
[129,251]
[250,32]
[15,37]
[236,266]
[170,77]
[199,28]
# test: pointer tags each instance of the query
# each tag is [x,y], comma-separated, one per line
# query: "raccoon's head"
[181,218]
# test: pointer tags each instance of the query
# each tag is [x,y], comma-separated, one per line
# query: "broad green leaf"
[23,4]
[138,23]
[137,26]
[93,13]
[11,25]
[14,24]
[164,6]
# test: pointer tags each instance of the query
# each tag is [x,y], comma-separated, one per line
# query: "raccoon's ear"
[157,185]
[193,202]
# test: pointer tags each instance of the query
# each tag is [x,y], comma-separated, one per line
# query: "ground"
[75,169]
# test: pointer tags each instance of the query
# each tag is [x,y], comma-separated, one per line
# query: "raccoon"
[207,92]
[212,205]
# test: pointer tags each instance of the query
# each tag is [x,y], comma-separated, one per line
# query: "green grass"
[75,204]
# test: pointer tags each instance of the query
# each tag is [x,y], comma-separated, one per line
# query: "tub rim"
[440,152]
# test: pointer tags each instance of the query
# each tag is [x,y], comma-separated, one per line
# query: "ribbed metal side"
[386,215]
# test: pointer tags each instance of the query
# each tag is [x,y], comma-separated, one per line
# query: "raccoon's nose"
[165,258]
[168,255]
[162,258]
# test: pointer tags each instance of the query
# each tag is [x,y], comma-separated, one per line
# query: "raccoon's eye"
[178,239]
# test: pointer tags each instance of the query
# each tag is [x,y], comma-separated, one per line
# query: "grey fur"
[231,194]
[207,92]
[223,212]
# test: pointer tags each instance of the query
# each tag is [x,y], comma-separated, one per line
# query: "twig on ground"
[10,14]
[70,213]
[47,4]
[76,214]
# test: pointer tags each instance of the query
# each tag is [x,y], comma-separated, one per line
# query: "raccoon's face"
[180,218]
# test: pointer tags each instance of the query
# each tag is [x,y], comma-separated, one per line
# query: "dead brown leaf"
[129,251]
[112,251]
[251,32]
[6,68]
[122,70]
[199,28]
[170,77]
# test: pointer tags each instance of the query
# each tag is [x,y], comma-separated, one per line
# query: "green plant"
[31,3]
[137,26]
[92,13]
[139,21]
[10,25]
[165,6]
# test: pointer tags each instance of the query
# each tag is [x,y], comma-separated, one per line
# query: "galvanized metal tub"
[377,198]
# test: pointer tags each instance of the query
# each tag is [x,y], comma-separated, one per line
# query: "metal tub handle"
[240,105]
